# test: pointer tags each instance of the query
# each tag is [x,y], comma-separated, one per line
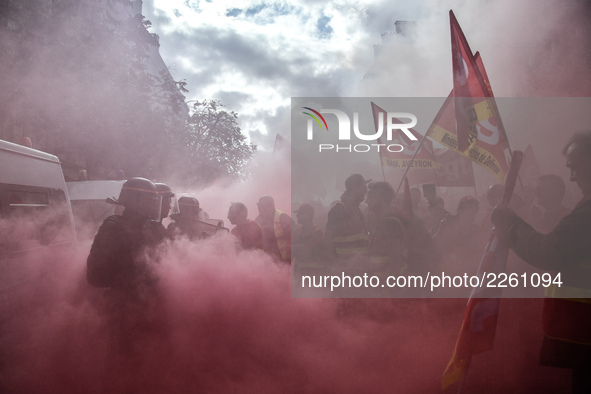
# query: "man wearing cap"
[345,238]
[306,236]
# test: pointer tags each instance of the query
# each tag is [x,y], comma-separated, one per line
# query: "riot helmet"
[141,196]
[166,194]
[189,206]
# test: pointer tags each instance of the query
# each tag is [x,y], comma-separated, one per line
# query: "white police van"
[89,205]
[36,221]
[34,202]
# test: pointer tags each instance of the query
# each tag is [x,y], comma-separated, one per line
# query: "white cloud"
[269,51]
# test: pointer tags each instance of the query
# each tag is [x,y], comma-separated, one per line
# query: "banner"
[424,155]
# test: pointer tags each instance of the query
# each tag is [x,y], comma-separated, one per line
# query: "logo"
[392,124]
[315,118]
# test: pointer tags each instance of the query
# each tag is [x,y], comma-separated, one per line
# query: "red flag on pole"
[491,147]
[469,88]
[492,131]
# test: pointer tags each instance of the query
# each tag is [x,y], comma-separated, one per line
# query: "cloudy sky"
[255,55]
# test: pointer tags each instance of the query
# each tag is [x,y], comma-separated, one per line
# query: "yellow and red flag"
[491,147]
[469,88]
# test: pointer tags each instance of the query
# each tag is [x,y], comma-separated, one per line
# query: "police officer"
[120,261]
[115,258]
[186,223]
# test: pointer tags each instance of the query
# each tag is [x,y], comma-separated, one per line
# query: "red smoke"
[226,322]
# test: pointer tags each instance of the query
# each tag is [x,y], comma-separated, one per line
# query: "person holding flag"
[567,251]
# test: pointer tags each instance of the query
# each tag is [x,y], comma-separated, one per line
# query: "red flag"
[491,146]
[491,133]
[469,88]
[480,320]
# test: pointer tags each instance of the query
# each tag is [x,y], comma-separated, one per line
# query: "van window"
[32,216]
[27,198]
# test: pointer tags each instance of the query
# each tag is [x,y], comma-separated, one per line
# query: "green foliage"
[215,144]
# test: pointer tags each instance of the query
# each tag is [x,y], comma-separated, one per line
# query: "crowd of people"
[369,229]
[391,235]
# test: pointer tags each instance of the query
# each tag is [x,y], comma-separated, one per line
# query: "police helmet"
[189,206]
[141,195]
[164,190]
[166,194]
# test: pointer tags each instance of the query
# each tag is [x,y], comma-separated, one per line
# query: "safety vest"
[352,238]
[283,241]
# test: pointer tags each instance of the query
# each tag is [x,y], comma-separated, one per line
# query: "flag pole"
[373,106]
[474,180]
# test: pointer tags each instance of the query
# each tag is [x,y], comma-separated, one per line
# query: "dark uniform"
[187,222]
[120,260]
[115,258]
